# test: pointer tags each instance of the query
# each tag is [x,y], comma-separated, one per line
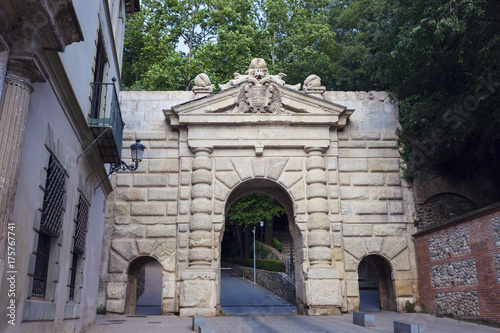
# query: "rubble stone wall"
[459,266]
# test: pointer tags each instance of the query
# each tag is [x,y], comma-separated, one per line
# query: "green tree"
[247,212]
[442,66]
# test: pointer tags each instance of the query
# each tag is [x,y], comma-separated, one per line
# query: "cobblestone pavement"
[281,323]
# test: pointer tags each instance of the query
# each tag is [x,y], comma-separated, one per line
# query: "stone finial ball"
[202,80]
[258,63]
[312,81]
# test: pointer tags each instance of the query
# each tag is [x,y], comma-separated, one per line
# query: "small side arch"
[133,280]
[375,273]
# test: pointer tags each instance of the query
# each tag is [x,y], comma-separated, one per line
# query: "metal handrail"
[105,110]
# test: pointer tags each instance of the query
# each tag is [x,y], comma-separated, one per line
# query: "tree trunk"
[248,243]
[240,243]
[268,232]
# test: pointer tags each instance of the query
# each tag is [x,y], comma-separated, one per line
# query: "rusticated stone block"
[316,190]
[317,205]
[164,165]
[243,168]
[115,305]
[132,194]
[161,231]
[316,176]
[318,238]
[163,194]
[275,166]
[288,179]
[147,180]
[367,179]
[357,230]
[354,193]
[370,207]
[384,164]
[116,289]
[393,245]
[125,247]
[353,164]
[315,162]
[230,179]
[148,209]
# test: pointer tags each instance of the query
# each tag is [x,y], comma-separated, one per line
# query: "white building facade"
[52,190]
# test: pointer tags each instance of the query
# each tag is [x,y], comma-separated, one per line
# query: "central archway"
[275,190]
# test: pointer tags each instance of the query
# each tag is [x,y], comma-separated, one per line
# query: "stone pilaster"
[200,224]
[324,294]
[198,288]
[318,237]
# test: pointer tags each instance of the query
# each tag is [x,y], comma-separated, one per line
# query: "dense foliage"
[439,59]
[265,264]
[245,215]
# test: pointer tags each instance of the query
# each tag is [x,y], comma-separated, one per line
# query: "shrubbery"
[277,244]
[264,264]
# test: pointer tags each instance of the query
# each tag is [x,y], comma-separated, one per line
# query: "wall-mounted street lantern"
[137,150]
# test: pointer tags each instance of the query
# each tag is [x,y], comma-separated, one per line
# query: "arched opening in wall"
[442,207]
[376,286]
[276,241]
[144,286]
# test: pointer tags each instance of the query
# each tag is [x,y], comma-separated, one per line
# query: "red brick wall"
[482,250]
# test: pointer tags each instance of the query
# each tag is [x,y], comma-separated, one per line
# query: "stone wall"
[376,204]
[342,190]
[462,304]
[278,283]
[443,207]
[452,242]
[457,261]
[455,273]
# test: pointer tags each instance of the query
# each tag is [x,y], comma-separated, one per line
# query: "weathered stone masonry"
[338,179]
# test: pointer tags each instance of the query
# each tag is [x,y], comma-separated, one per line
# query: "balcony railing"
[105,121]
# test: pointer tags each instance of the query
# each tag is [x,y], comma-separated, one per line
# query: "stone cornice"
[33,25]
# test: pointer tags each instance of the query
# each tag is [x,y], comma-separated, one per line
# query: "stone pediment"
[257,111]
[258,97]
[225,106]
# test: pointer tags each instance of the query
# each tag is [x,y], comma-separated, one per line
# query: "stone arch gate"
[338,181]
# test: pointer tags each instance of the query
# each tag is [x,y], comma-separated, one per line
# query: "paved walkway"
[239,296]
[280,323]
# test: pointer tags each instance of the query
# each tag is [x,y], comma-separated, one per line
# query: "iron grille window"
[72,280]
[41,265]
[53,199]
[50,224]
[82,218]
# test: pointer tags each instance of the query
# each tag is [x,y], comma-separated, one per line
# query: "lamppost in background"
[253,254]
[261,240]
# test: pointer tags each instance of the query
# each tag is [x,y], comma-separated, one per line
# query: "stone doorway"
[144,286]
[376,286]
[276,191]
